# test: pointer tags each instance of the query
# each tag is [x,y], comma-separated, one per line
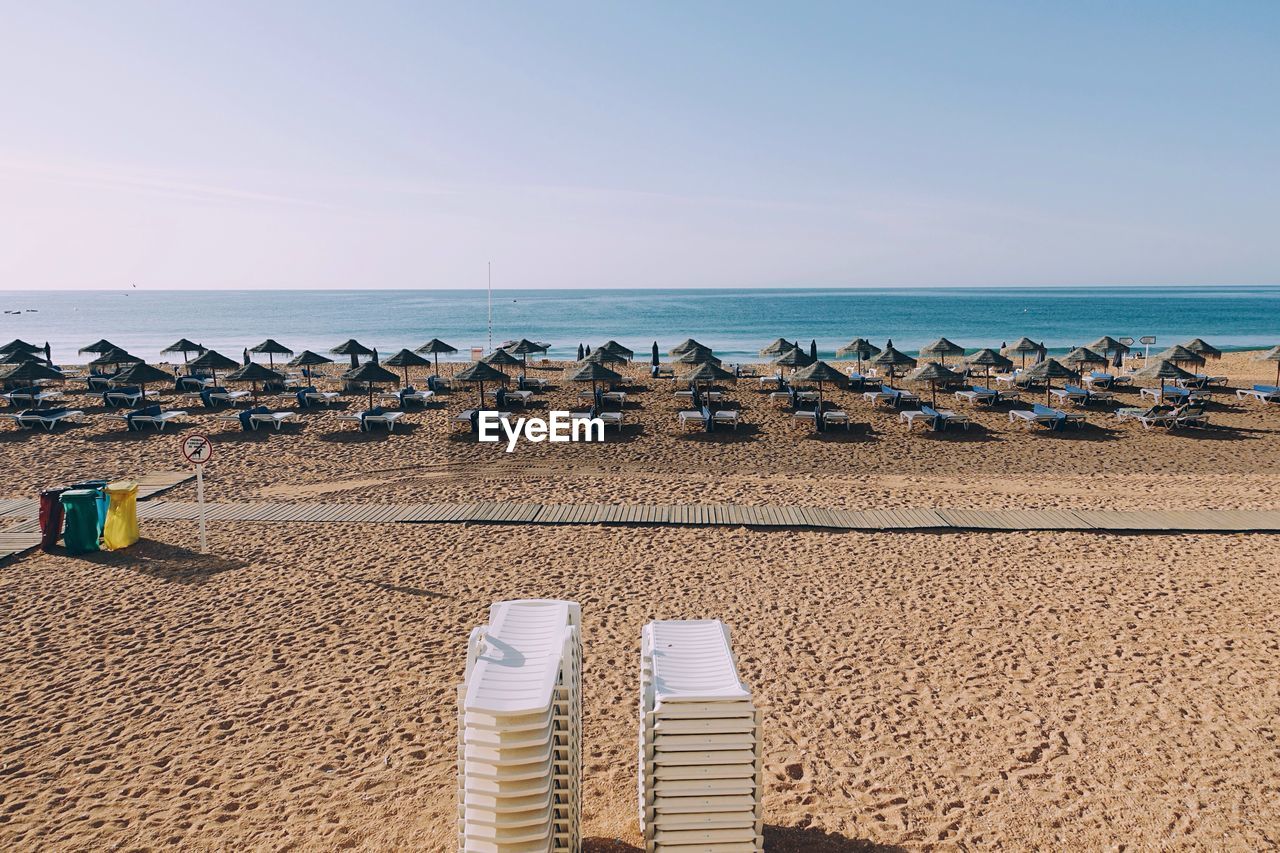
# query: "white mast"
[490,307]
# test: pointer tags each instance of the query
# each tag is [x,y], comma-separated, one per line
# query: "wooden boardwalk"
[22,535]
[712,515]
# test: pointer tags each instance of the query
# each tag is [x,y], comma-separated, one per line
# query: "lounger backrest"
[929,411]
[1074,389]
[1267,389]
[1040,409]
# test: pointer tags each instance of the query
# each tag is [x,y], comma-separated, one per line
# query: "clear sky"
[374,144]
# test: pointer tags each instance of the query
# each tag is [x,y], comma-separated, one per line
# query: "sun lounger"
[368,419]
[835,417]
[255,419]
[151,416]
[1261,393]
[978,395]
[1191,415]
[611,419]
[1173,392]
[804,416]
[1077,395]
[31,398]
[1044,416]
[47,418]
[726,416]
[402,398]
[937,419]
[710,396]
[532,382]
[893,396]
[518,398]
[118,397]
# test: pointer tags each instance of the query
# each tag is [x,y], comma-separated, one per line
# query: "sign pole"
[204,538]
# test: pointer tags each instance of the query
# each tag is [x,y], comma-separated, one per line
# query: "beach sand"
[296,689]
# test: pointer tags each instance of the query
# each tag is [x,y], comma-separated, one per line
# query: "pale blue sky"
[307,144]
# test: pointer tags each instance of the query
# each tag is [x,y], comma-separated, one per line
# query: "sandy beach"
[295,689]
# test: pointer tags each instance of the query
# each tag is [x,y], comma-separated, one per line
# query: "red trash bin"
[50,517]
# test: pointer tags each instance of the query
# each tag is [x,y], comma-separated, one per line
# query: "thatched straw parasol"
[794,357]
[142,375]
[522,348]
[941,348]
[859,348]
[213,361]
[987,359]
[1108,346]
[819,373]
[1272,354]
[1201,347]
[254,373]
[777,348]
[893,360]
[114,358]
[406,359]
[353,348]
[685,345]
[1163,371]
[1048,370]
[370,374]
[30,371]
[601,355]
[99,347]
[1080,357]
[501,358]
[696,355]
[934,373]
[19,347]
[595,373]
[307,358]
[617,349]
[479,373]
[434,347]
[1022,347]
[271,348]
[1180,355]
[185,347]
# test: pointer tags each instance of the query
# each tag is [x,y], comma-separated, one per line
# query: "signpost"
[1147,340]
[197,449]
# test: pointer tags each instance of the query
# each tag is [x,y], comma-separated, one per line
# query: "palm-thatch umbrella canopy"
[935,374]
[114,358]
[307,358]
[434,347]
[254,373]
[406,359]
[522,348]
[1272,354]
[30,370]
[1203,348]
[707,372]
[818,373]
[271,348]
[941,348]
[481,372]
[893,360]
[686,345]
[142,375]
[501,358]
[617,349]
[595,373]
[987,359]
[185,347]
[1180,355]
[1163,371]
[777,348]
[213,361]
[794,357]
[859,348]
[19,347]
[1081,357]
[353,348]
[600,355]
[1048,370]
[99,347]
[1108,346]
[1022,347]
[370,374]
[696,355]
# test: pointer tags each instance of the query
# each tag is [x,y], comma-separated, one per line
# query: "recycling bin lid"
[80,493]
[120,487]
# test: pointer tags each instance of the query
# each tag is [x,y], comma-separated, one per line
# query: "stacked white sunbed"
[700,767]
[520,731]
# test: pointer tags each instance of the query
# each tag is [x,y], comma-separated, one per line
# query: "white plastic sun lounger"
[519,398]
[700,774]
[520,730]
[273,419]
[366,423]
[123,398]
[33,418]
[26,399]
[158,421]
[1261,393]
[726,416]
[805,417]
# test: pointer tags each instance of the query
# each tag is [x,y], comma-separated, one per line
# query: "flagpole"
[490,306]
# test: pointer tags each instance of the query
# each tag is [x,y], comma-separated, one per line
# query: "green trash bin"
[80,530]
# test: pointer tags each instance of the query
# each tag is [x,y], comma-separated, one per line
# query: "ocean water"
[735,323]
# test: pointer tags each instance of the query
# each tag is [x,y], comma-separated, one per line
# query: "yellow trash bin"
[121,529]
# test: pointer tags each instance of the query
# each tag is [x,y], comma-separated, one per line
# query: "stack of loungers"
[520,731]
[700,767]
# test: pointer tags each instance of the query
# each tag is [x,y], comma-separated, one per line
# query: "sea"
[734,323]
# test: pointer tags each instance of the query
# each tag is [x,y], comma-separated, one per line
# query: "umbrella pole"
[436,356]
